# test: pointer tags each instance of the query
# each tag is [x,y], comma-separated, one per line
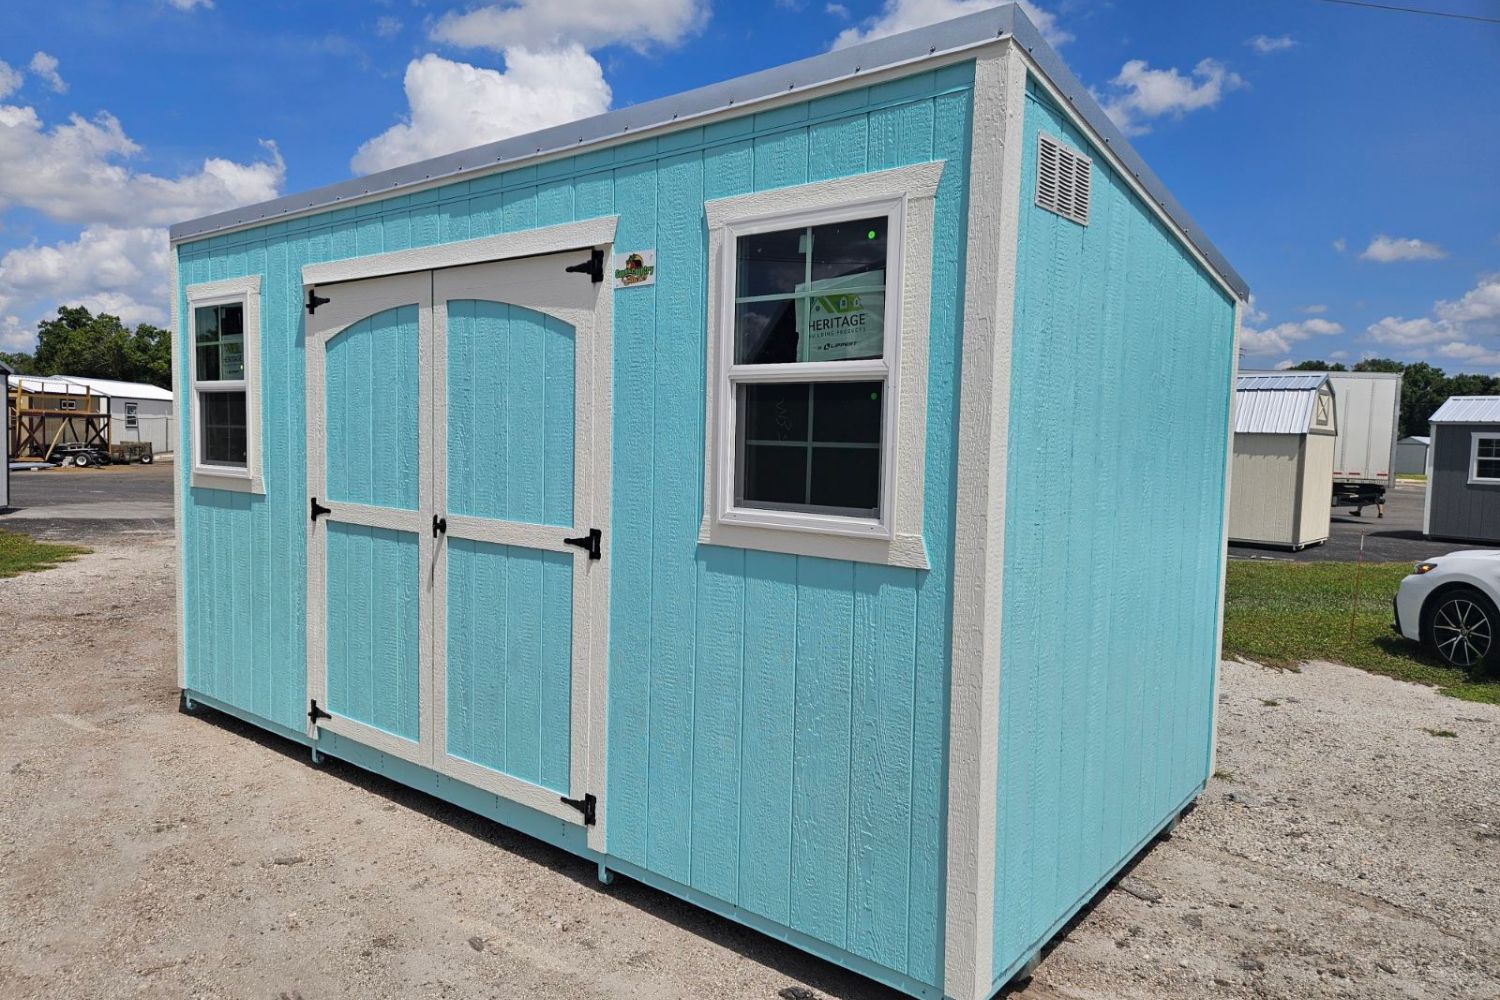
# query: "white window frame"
[132,415]
[907,196]
[244,292]
[1474,477]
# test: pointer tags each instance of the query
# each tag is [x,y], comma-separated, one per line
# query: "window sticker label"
[842,318]
[635,269]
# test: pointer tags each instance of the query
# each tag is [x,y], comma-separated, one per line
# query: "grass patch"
[1411,477]
[20,554]
[1283,613]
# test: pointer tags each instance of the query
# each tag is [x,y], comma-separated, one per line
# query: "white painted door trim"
[541,284]
[353,303]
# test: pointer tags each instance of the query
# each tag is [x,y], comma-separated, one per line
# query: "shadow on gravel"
[799,967]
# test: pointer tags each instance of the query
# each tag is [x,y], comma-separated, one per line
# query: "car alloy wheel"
[1462,631]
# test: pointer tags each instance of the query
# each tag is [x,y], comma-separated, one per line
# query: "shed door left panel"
[368,459]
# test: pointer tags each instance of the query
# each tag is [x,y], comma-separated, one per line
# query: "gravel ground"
[1344,851]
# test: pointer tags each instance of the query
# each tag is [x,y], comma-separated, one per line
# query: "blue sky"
[1345,160]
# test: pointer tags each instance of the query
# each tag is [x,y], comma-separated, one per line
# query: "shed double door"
[456,571]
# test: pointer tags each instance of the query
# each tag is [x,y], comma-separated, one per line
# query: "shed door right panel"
[512,596]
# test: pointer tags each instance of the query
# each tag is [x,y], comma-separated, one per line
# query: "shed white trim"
[246,292]
[978,577]
[908,196]
[178,528]
[481,250]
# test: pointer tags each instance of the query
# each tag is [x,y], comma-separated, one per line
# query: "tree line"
[79,343]
[1423,387]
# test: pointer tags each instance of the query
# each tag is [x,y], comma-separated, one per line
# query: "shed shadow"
[799,967]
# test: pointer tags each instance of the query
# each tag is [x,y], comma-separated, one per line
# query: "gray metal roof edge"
[910,47]
[1305,371]
[1487,407]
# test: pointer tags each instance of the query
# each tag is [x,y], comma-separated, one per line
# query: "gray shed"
[1463,470]
[1282,479]
[1411,455]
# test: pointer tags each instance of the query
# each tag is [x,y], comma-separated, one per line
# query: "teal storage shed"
[804,495]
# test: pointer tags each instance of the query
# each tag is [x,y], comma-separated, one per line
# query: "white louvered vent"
[1062,180]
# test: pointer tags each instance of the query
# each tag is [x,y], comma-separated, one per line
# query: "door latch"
[593,267]
[318,509]
[439,526]
[587,805]
[592,543]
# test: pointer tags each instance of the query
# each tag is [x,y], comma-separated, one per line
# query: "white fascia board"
[178,472]
[978,562]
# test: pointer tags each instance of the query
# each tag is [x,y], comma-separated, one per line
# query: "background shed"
[1411,455]
[137,411]
[1284,431]
[1463,479]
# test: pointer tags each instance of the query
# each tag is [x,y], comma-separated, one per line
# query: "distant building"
[1284,432]
[1411,455]
[137,411]
[1463,480]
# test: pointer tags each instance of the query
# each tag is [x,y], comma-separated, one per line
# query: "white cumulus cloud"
[1139,94]
[454,105]
[1390,250]
[1280,339]
[547,24]
[45,67]
[10,80]
[124,271]
[1452,324]
[897,16]
[1267,44]
[77,172]
[190,4]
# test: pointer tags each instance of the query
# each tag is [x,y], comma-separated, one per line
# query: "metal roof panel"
[1468,410]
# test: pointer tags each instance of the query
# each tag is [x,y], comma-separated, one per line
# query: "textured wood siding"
[777,726]
[1120,388]
[1263,498]
[1460,510]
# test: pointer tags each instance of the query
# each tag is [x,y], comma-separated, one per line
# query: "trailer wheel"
[146,458]
[1461,625]
[82,459]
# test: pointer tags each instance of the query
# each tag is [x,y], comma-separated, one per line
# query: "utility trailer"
[1364,454]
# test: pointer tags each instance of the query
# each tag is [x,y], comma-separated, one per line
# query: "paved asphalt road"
[1397,537]
[74,503]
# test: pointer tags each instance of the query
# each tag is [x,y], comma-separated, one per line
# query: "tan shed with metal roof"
[1284,431]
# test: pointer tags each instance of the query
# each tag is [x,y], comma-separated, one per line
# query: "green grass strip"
[1282,613]
[21,554]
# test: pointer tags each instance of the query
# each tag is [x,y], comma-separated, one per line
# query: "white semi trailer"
[1364,456]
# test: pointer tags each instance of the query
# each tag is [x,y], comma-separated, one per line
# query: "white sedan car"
[1451,604]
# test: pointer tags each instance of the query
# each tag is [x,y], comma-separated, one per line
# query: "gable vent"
[1062,180]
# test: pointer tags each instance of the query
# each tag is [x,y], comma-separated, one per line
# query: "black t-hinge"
[586,805]
[314,713]
[592,543]
[439,526]
[593,267]
[318,510]
[314,300]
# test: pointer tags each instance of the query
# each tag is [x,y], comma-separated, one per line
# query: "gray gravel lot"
[1345,850]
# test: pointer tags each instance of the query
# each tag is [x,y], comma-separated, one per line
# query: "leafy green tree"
[79,343]
[1379,365]
[21,364]
[1423,389]
[1318,366]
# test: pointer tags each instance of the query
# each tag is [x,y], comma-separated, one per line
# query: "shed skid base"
[566,836]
